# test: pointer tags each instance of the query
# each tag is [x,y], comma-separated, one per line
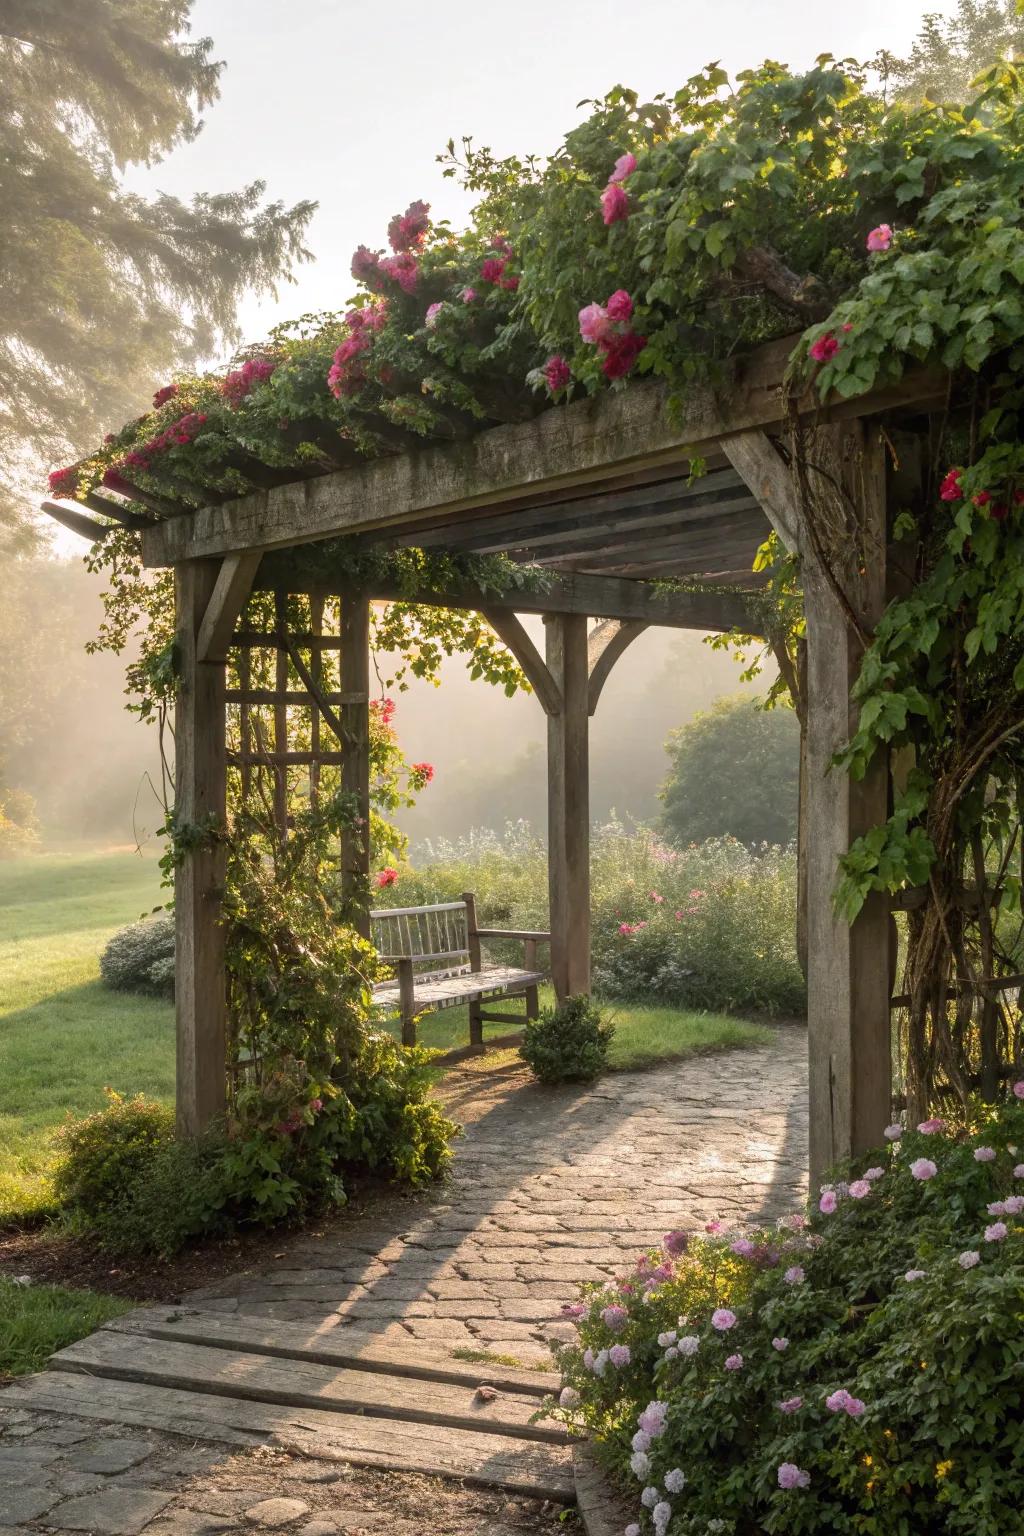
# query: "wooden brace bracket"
[232,588]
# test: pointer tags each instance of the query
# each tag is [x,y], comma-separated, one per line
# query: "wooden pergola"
[599,494]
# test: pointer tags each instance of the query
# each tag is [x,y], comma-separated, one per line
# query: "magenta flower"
[595,323]
[996,1232]
[431,317]
[780,1344]
[492,269]
[615,1318]
[722,1319]
[625,165]
[828,1202]
[162,396]
[922,1168]
[714,1227]
[734,1363]
[614,204]
[620,307]
[407,231]
[880,238]
[824,348]
[984,1155]
[557,374]
[468,295]
[619,1355]
[791,1405]
[620,353]
[932,1127]
[675,1243]
[859,1188]
[573,1308]
[790,1476]
[794,1275]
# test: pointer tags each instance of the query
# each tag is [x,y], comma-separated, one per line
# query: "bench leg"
[476,1023]
[532,1003]
[409,1029]
[407,1001]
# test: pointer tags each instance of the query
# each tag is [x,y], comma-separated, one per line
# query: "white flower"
[914,1274]
[641,1440]
[569,1398]
[640,1464]
[671,1353]
[893,1132]
[662,1514]
[969,1259]
[650,1497]
[688,1344]
[675,1481]
[632,1530]
[665,1339]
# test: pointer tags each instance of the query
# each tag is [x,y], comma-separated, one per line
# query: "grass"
[36,1320]
[63,1035]
[643,1036]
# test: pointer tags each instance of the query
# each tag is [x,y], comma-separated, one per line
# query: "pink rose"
[859,1188]
[880,238]
[922,1168]
[614,204]
[828,1202]
[625,165]
[824,348]
[595,323]
[722,1319]
[620,307]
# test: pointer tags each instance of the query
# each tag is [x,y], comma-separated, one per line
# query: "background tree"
[102,291]
[735,770]
[950,51]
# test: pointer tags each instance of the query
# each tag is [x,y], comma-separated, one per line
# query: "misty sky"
[348,103]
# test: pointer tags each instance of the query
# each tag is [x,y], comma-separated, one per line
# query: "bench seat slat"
[493,982]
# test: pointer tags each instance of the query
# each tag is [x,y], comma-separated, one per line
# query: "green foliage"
[568,1043]
[37,1320]
[933,1361]
[734,772]
[140,958]
[949,52]
[102,289]
[100,1156]
[706,927]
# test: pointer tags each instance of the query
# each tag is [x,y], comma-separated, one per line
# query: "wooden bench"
[437,955]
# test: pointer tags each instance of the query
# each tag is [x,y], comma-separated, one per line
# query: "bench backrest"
[426,935]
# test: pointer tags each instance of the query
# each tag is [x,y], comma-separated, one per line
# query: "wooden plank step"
[329,1344]
[302,1384]
[486,1461]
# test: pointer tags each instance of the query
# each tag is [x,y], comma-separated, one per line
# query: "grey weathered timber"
[569,805]
[343,1345]
[848,964]
[199,803]
[756,458]
[602,1509]
[76,522]
[511,632]
[230,592]
[302,1383]
[582,443]
[485,1460]
[606,597]
[605,644]
[355,769]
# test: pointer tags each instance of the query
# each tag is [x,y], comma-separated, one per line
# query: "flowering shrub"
[854,1370]
[710,926]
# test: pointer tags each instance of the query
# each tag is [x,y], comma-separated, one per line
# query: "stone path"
[551,1188]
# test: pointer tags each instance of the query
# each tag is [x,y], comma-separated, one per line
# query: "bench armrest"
[537,935]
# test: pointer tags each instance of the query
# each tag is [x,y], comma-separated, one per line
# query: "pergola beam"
[582,444]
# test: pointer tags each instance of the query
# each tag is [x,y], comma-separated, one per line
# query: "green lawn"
[36,1320]
[63,1035]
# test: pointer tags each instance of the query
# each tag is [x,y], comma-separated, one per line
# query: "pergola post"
[200,768]
[848,977]
[569,804]
[355,770]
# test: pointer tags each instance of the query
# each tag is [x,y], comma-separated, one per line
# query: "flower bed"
[856,1370]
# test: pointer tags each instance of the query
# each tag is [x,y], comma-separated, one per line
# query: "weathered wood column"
[569,804]
[355,771]
[848,979]
[200,767]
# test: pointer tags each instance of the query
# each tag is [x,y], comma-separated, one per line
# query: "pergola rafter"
[601,495]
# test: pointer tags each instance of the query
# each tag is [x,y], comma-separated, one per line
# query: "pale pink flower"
[791,1476]
[568,1398]
[996,1232]
[794,1275]
[619,1355]
[688,1345]
[997,1208]
[893,1132]
[880,238]
[968,1259]
[1018,1089]
[828,1202]
[641,1441]
[791,1405]
[468,295]
[1014,1205]
[652,1420]
[836,1402]
[615,1318]
[874,1173]
[722,1319]
[855,1407]
[914,1274]
[933,1126]
[614,204]
[734,1363]
[984,1154]
[742,1247]
[595,324]
[780,1344]
[1018,1172]
[625,165]
[921,1168]
[859,1189]
[714,1227]
[431,317]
